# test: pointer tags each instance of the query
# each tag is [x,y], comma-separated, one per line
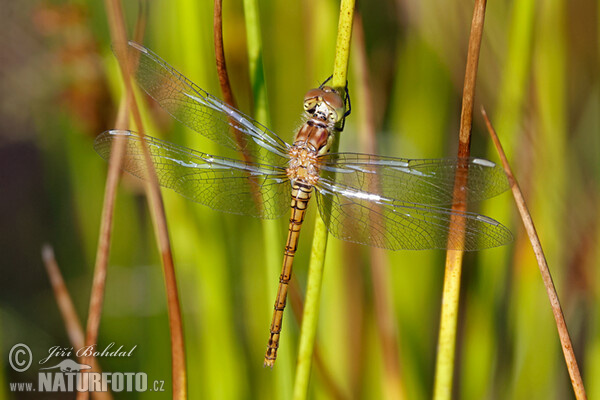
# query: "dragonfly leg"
[300,196]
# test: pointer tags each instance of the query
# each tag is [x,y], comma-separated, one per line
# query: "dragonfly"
[385,202]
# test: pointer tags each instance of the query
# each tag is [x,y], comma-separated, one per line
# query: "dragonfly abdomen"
[301,193]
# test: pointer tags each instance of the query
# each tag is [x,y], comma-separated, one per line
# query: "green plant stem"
[317,257]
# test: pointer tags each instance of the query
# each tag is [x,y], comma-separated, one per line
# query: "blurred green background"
[538,79]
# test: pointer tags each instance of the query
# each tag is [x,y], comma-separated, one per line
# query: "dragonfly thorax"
[303,165]
[315,136]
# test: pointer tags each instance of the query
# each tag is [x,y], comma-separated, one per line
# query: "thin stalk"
[220,55]
[63,299]
[444,370]
[561,325]
[179,375]
[317,257]
[224,77]
[67,310]
[110,192]
[103,249]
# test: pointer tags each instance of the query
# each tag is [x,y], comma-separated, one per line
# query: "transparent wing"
[220,183]
[415,181]
[204,113]
[370,219]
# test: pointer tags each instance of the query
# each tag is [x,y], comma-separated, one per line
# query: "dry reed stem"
[102,251]
[119,37]
[179,374]
[392,378]
[220,55]
[142,20]
[451,292]
[67,310]
[63,299]
[228,96]
[561,325]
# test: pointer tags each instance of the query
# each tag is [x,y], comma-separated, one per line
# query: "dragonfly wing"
[367,218]
[204,113]
[415,181]
[220,183]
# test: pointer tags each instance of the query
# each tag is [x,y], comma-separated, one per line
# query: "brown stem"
[466,115]
[228,96]
[119,37]
[102,251]
[63,299]
[220,55]
[67,310]
[561,325]
[155,201]
[451,291]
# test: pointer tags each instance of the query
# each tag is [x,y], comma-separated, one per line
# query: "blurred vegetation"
[538,78]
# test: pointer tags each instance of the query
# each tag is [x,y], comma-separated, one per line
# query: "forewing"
[416,181]
[220,183]
[204,113]
[370,219]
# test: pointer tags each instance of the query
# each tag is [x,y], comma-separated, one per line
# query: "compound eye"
[335,103]
[333,99]
[313,94]
[311,98]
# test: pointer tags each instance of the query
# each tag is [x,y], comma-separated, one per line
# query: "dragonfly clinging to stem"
[386,202]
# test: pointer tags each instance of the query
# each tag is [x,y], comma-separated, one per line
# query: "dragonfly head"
[324,104]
